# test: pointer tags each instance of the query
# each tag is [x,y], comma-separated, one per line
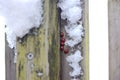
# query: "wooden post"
[65,68]
[38,56]
[85,44]
[10,66]
[114,39]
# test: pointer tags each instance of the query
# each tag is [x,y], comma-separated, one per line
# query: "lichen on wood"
[44,47]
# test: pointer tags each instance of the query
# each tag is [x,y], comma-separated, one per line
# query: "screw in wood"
[30,56]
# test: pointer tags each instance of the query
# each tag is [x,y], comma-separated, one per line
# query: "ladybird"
[63,39]
[61,34]
[62,43]
[66,51]
[61,48]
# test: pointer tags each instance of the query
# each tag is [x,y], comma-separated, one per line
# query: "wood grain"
[85,44]
[65,68]
[44,48]
[10,66]
[114,39]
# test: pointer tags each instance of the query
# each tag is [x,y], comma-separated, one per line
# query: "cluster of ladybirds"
[62,44]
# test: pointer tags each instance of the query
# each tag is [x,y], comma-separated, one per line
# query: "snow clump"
[20,16]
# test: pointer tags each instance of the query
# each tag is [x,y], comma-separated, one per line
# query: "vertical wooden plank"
[114,39]
[38,56]
[85,44]
[65,68]
[10,66]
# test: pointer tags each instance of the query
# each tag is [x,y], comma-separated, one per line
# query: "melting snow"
[66,4]
[75,32]
[20,16]
[72,12]
[74,60]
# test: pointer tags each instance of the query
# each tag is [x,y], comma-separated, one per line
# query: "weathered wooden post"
[65,69]
[114,39]
[85,45]
[39,56]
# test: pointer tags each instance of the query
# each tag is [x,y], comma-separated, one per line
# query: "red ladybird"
[62,43]
[63,39]
[66,51]
[61,48]
[61,34]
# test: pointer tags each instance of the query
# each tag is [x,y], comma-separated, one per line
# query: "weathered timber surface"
[10,66]
[65,68]
[85,44]
[114,39]
[43,48]
[45,56]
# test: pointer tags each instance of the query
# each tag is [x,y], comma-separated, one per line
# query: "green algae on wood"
[44,47]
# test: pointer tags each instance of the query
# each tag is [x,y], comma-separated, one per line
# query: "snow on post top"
[20,16]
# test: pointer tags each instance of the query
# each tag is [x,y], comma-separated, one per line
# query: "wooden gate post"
[38,56]
[65,68]
[114,39]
